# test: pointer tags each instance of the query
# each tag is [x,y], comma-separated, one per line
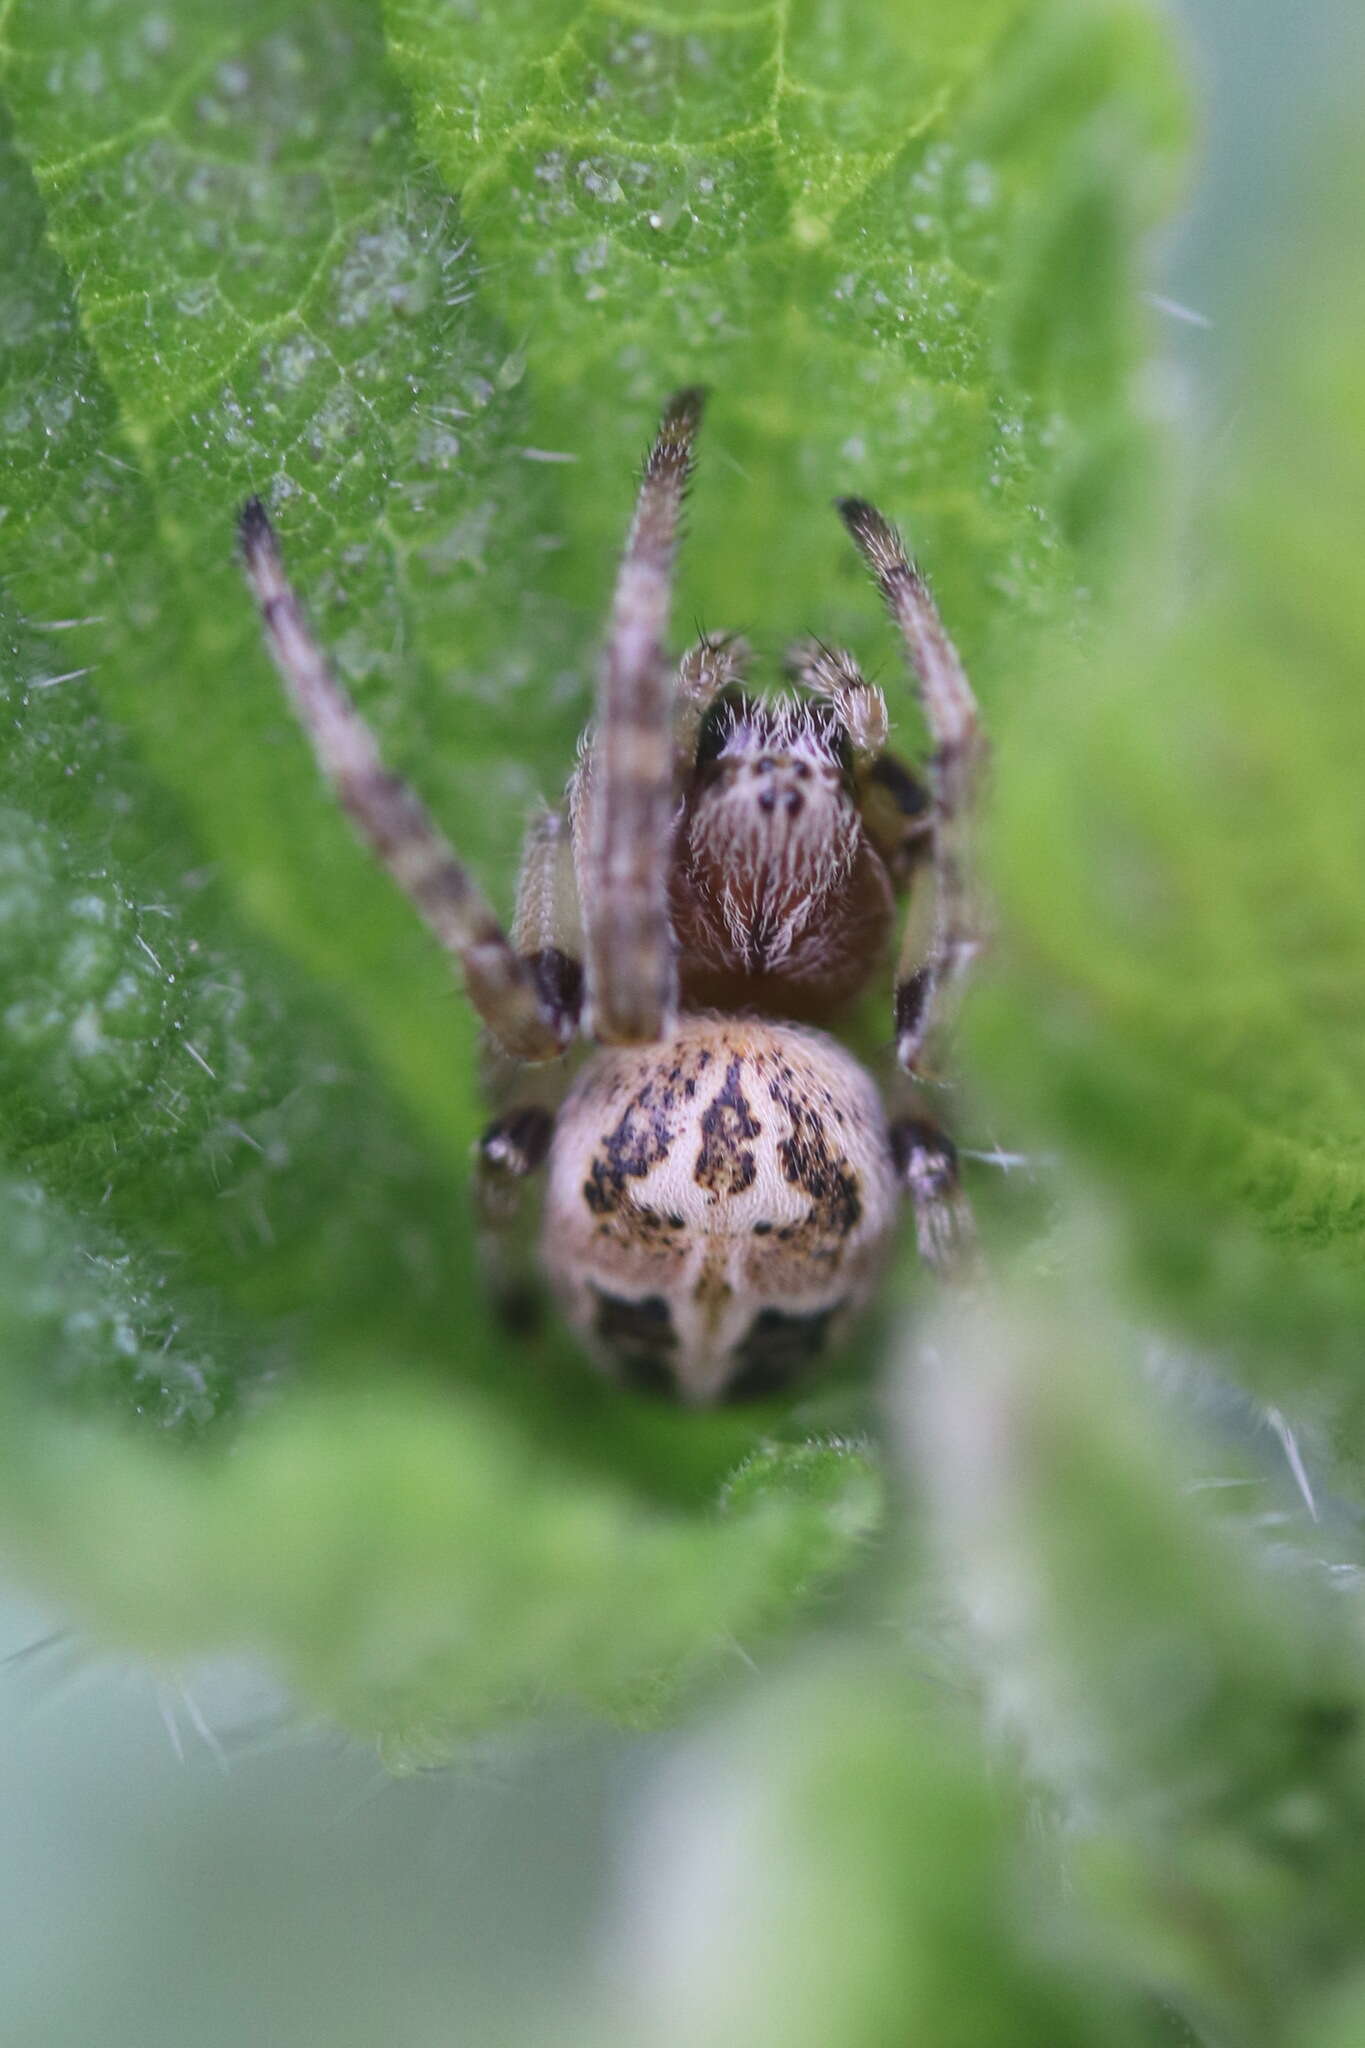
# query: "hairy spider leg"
[945,1229]
[503,988]
[717,663]
[931,965]
[896,807]
[508,1157]
[632,974]
[547,929]
[831,673]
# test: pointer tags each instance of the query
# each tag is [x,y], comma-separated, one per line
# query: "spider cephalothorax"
[721,1181]
[780,898]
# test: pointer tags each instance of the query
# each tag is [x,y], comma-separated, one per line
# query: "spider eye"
[730,708]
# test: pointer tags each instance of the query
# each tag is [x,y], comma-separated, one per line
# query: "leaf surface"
[1180,847]
[896,241]
[237,1090]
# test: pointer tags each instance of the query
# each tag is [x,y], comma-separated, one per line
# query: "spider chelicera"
[719,1178]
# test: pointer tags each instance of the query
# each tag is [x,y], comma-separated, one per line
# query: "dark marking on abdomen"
[641,1339]
[639,1142]
[776,1350]
[725,1163]
[809,1163]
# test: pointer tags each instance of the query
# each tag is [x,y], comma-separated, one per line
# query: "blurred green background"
[184,1866]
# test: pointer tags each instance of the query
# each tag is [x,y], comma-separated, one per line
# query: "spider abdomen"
[718,1204]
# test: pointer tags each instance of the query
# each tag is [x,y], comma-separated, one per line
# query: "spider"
[720,1177]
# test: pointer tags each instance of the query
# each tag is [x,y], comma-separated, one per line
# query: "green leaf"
[1165,1636]
[1179,848]
[896,240]
[271,293]
[834,1865]
[237,1091]
[407,1557]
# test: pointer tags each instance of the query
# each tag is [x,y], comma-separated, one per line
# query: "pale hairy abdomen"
[719,1204]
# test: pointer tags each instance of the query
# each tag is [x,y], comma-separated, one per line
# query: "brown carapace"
[719,1178]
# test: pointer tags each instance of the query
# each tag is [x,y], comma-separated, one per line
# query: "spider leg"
[895,805]
[928,975]
[547,930]
[390,815]
[831,673]
[945,1229]
[632,975]
[506,1160]
[898,815]
[717,663]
